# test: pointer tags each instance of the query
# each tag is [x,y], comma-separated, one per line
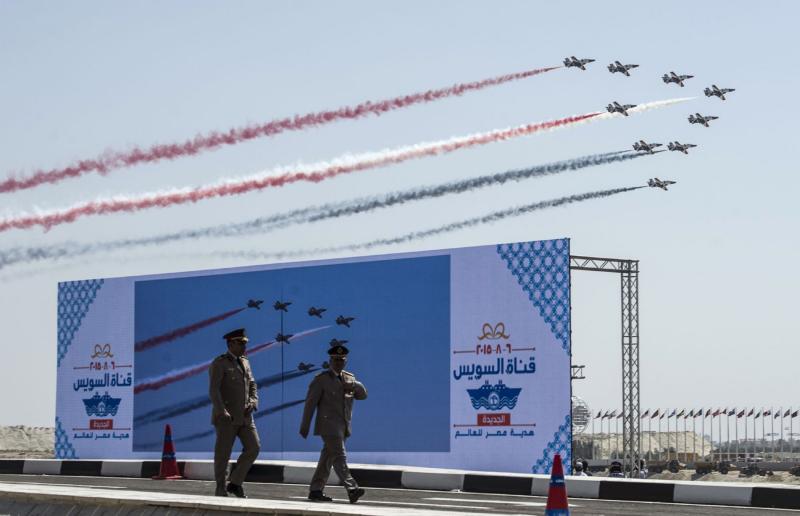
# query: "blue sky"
[717,321]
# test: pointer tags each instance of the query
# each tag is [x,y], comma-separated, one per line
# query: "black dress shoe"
[318,496]
[355,494]
[235,490]
[220,491]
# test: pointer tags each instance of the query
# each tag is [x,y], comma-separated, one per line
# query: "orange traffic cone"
[169,466]
[557,493]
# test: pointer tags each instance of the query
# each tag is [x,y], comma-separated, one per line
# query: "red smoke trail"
[182,332]
[111,160]
[157,382]
[233,187]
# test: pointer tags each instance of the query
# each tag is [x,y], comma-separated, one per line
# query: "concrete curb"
[718,493]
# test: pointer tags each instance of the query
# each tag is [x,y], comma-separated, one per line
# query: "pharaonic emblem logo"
[496,332]
[101,406]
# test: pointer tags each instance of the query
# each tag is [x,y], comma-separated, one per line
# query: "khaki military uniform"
[232,388]
[332,399]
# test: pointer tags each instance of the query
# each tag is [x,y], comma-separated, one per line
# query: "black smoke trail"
[184,407]
[313,213]
[416,235]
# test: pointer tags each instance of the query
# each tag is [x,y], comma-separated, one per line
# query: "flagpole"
[703,435]
[728,433]
[694,436]
[659,436]
[719,435]
[763,439]
[781,451]
[772,431]
[736,432]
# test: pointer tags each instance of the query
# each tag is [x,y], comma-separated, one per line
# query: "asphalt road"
[400,498]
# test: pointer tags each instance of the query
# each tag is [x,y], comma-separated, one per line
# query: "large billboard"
[465,354]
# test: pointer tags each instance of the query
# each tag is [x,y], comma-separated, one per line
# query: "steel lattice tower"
[629,297]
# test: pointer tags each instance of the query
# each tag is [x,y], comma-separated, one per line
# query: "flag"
[767,412]
[794,414]
[758,415]
[740,414]
[646,413]
[655,413]
[777,414]
[673,413]
[708,412]
[690,414]
[716,413]
[619,415]
[612,414]
[663,414]
[750,413]
[599,414]
[732,412]
[681,413]
[698,413]
[787,413]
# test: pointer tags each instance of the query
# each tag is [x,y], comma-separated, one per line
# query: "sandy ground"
[19,442]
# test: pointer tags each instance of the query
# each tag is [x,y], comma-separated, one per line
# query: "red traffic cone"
[557,493]
[169,466]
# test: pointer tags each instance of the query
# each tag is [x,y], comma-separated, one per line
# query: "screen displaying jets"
[658,183]
[283,338]
[316,312]
[337,342]
[254,303]
[282,305]
[616,107]
[715,91]
[680,147]
[302,366]
[677,79]
[643,146]
[697,118]
[574,62]
[617,67]
[344,321]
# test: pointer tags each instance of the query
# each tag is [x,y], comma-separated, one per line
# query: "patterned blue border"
[561,444]
[542,270]
[74,300]
[63,447]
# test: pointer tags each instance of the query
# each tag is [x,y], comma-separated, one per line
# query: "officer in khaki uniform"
[234,396]
[331,394]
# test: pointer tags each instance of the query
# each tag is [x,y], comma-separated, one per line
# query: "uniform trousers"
[251,445]
[332,454]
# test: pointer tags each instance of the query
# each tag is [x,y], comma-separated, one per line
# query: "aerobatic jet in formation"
[680,147]
[302,366]
[344,321]
[643,146]
[616,107]
[697,118]
[617,67]
[337,342]
[254,303]
[658,183]
[677,79]
[574,62]
[715,91]
[316,312]
[283,338]
[282,305]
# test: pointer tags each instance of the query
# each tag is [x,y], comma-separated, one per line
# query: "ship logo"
[494,397]
[101,406]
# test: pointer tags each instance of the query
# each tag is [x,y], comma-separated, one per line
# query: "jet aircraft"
[697,118]
[316,312]
[658,183]
[715,91]
[302,366]
[574,62]
[643,146]
[677,79]
[283,338]
[344,321]
[254,303]
[616,107]
[337,342]
[282,305]
[681,147]
[616,66]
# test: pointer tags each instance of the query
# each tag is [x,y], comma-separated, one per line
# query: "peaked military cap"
[338,351]
[238,334]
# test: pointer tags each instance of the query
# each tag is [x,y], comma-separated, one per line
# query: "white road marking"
[68,485]
[510,502]
[444,506]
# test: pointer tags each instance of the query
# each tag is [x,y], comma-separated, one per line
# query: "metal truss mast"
[629,290]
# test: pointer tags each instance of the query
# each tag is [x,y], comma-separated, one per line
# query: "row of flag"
[658,413]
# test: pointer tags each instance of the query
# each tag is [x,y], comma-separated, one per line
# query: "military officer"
[234,396]
[331,394]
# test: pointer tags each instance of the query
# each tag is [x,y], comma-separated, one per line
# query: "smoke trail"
[257,415]
[182,332]
[112,160]
[315,213]
[278,177]
[157,382]
[416,235]
[184,407]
